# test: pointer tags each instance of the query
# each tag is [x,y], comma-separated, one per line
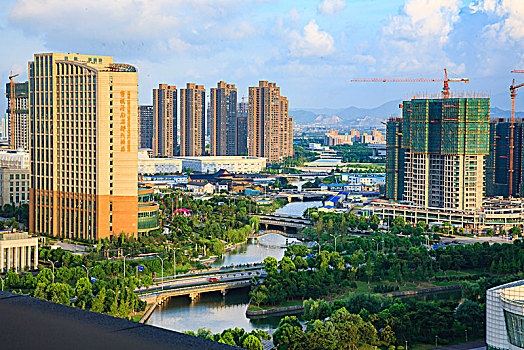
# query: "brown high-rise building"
[145,126]
[164,121]
[192,120]
[83,126]
[270,128]
[222,120]
[242,121]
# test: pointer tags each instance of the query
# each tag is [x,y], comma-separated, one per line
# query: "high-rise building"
[192,120]
[242,118]
[270,128]
[222,119]
[17,111]
[498,161]
[83,122]
[4,128]
[165,121]
[445,143]
[395,157]
[145,126]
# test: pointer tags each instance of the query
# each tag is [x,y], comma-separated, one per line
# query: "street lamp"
[125,256]
[174,262]
[406,348]
[162,270]
[335,240]
[87,270]
[318,247]
[52,263]
[436,341]
[466,335]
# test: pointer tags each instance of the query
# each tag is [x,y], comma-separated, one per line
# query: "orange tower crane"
[513,93]
[11,107]
[446,81]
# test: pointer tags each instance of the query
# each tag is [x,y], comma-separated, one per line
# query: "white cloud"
[312,42]
[330,7]
[415,38]
[510,15]
[365,59]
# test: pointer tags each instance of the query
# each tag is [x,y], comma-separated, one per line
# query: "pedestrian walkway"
[472,345]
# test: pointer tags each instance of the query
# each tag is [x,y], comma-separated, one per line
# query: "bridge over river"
[285,224]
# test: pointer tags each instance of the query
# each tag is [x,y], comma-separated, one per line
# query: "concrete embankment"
[423,291]
[148,313]
[276,310]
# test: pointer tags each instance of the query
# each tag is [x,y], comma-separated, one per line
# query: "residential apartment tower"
[223,120]
[165,121]
[192,120]
[270,128]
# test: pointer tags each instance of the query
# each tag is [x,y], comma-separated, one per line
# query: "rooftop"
[64,327]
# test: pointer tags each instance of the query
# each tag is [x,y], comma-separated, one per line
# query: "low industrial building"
[497,214]
[505,316]
[202,164]
[18,251]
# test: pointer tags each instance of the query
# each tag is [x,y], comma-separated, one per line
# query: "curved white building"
[505,316]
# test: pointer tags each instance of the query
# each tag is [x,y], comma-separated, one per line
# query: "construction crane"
[11,108]
[446,81]
[513,93]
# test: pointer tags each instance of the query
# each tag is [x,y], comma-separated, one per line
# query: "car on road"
[213,279]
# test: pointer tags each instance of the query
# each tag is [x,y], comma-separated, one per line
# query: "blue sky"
[311,49]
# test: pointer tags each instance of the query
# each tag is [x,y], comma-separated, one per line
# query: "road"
[188,281]
[471,240]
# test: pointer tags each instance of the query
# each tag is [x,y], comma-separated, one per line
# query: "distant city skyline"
[311,48]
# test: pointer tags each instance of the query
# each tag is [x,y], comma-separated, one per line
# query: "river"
[217,312]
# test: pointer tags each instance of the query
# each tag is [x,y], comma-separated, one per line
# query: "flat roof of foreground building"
[29,323]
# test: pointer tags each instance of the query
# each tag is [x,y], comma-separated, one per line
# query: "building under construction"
[498,167]
[444,144]
[18,112]
[395,156]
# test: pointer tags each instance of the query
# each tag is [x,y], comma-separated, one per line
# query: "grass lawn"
[136,318]
[284,304]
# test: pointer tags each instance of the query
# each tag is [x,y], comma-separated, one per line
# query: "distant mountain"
[371,117]
[351,116]
[328,120]
[501,113]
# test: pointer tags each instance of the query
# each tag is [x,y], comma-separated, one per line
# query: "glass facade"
[148,220]
[515,328]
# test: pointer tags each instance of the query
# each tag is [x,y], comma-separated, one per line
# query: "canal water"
[297,208]
[217,312]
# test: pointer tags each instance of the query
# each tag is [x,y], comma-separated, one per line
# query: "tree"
[515,231]
[288,336]
[271,264]
[258,297]
[286,264]
[252,343]
[316,309]
[399,221]
[470,314]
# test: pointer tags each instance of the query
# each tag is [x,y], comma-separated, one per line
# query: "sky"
[311,49]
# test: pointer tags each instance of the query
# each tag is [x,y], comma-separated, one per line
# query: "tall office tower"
[17,111]
[222,119]
[446,142]
[270,128]
[242,117]
[83,122]
[192,120]
[145,126]
[497,163]
[395,156]
[164,121]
